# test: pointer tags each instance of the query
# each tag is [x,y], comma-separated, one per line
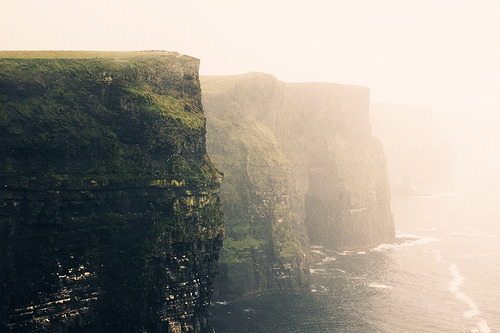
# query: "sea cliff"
[301,167]
[109,212]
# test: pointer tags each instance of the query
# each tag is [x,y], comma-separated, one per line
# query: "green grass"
[182,110]
[220,84]
[238,251]
[106,115]
[256,170]
[74,54]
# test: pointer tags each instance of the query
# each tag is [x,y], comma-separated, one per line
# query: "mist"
[442,55]
[359,141]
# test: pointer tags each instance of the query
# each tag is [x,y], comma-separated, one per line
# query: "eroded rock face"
[265,248]
[109,212]
[347,200]
[300,163]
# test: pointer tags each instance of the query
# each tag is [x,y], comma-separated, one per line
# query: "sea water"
[444,276]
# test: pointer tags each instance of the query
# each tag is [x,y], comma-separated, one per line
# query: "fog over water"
[439,55]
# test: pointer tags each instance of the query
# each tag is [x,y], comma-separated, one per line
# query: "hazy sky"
[443,54]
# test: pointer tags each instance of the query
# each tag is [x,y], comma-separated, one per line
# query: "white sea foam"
[458,279]
[321,288]
[344,253]
[409,240]
[316,270]
[221,302]
[377,285]
[414,238]
[317,251]
[382,247]
[483,327]
[454,287]
[340,270]
[327,259]
[361,252]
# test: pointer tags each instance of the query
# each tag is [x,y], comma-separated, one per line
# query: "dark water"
[445,279]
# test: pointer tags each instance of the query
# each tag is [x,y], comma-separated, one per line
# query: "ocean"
[442,277]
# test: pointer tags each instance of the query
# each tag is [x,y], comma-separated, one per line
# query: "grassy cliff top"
[221,83]
[217,84]
[70,115]
[236,77]
[71,54]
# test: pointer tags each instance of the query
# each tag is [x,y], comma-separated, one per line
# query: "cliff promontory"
[109,212]
[266,247]
[301,166]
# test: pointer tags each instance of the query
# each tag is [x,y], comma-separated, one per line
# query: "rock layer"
[347,198]
[300,164]
[109,211]
[265,244]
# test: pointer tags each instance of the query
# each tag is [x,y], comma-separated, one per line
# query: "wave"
[404,240]
[482,327]
[322,289]
[377,285]
[454,288]
[327,259]
[345,253]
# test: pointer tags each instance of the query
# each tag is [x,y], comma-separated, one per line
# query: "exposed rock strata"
[109,212]
[304,150]
[347,199]
[265,244]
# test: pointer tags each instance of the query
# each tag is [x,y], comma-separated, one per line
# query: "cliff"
[416,150]
[109,211]
[265,246]
[347,199]
[300,165]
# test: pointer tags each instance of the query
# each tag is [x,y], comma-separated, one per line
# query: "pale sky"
[439,53]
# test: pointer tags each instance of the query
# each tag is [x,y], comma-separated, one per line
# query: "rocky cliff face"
[416,150]
[109,212]
[265,244]
[305,151]
[347,199]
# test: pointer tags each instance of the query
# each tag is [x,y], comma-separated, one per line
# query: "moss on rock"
[109,211]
